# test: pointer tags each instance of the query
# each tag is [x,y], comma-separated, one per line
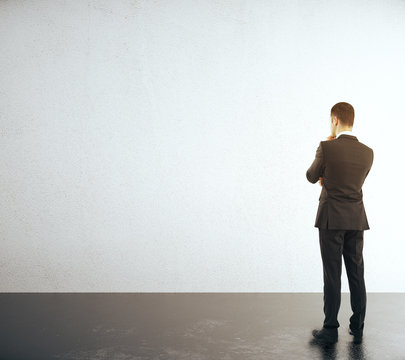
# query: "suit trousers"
[334,244]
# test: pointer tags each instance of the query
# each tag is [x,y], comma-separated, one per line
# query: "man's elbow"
[310,178]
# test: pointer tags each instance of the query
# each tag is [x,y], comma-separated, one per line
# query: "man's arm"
[372,160]
[315,171]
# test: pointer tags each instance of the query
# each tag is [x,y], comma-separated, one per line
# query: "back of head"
[344,112]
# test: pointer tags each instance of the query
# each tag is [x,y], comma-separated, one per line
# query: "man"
[341,165]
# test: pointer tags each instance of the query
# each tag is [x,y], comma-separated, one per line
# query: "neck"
[339,130]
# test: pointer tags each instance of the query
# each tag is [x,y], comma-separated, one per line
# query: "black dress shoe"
[326,336]
[357,336]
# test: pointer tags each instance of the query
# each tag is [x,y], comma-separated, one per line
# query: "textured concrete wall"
[163,145]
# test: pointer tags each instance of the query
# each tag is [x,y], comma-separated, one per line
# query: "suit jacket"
[344,164]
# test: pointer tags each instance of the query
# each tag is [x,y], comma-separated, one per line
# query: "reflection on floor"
[192,326]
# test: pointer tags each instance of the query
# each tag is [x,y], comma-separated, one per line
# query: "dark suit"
[344,164]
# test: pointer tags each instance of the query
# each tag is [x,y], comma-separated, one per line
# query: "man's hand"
[321,181]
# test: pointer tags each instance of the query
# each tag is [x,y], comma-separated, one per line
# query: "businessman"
[341,165]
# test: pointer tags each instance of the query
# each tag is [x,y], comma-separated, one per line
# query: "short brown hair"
[344,112]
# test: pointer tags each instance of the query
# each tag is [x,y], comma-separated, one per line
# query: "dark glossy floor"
[192,326]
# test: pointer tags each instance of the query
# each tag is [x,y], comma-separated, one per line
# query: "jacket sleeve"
[315,171]
[372,160]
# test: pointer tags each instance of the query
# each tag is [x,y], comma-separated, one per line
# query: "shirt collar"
[345,132]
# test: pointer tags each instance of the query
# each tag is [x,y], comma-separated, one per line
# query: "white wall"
[153,146]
